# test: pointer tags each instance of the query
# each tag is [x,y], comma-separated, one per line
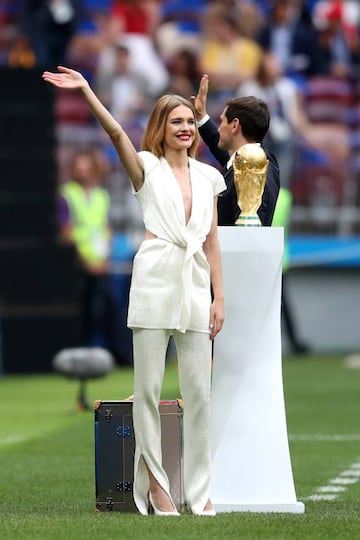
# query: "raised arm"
[199,101]
[208,129]
[73,80]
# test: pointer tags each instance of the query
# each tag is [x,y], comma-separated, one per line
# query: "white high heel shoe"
[210,512]
[206,513]
[158,512]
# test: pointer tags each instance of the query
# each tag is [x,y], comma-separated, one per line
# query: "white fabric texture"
[170,286]
[194,378]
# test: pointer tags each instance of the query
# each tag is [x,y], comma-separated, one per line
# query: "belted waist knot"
[191,247]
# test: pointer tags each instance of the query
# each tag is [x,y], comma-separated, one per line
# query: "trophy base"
[248,221]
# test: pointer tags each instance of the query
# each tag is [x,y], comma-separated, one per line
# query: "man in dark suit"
[290,34]
[243,120]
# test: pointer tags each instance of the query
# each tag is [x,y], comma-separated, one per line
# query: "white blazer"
[170,286]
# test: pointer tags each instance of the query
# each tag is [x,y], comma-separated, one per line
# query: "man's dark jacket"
[228,209]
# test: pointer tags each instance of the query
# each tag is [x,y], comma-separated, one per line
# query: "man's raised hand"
[199,101]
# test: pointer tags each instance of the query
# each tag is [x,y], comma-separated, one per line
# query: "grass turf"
[47,461]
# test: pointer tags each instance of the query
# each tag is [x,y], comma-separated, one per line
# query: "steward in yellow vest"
[84,222]
[89,219]
[281,219]
[84,213]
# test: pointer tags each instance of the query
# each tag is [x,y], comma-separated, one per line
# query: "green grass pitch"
[47,483]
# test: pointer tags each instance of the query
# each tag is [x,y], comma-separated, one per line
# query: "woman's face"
[180,128]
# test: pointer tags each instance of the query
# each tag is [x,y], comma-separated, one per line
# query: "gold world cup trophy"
[250,170]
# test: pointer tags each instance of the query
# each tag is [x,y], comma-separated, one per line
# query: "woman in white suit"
[175,267]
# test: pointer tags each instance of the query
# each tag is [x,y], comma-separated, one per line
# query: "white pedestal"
[251,459]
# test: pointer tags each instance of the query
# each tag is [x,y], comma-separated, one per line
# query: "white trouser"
[194,364]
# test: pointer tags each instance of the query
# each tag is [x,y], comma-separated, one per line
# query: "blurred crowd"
[301,56]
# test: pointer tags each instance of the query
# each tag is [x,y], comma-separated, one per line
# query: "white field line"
[12,439]
[317,437]
[342,481]
[322,497]
[337,485]
[351,472]
[331,489]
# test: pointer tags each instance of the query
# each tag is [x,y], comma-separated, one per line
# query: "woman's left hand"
[216,317]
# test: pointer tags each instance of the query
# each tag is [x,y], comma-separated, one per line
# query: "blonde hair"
[153,137]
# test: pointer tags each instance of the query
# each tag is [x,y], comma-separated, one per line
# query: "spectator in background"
[133,23]
[291,36]
[84,222]
[347,13]
[180,26]
[288,123]
[49,26]
[125,92]
[21,54]
[91,36]
[226,56]
[249,17]
[9,31]
[184,72]
[335,49]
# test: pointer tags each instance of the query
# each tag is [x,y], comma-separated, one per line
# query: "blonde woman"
[175,267]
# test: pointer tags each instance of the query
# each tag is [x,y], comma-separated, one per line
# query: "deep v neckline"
[181,193]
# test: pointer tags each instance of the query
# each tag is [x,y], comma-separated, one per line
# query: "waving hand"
[67,78]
